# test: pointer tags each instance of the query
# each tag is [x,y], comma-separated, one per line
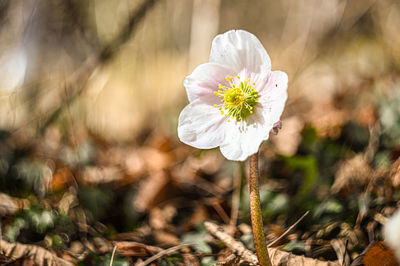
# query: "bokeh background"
[326,47]
[91,91]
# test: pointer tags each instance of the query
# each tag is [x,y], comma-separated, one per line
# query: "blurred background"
[91,91]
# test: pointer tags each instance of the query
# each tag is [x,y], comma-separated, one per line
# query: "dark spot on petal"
[276,85]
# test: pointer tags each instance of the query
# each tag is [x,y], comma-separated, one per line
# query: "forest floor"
[156,201]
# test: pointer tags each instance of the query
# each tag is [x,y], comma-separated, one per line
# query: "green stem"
[256,214]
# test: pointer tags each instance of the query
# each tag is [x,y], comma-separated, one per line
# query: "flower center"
[238,100]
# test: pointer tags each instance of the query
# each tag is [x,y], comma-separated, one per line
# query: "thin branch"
[277,256]
[76,84]
[162,254]
[112,255]
[230,260]
[127,31]
[289,229]
[237,246]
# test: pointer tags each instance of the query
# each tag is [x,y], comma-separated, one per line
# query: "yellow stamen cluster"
[239,100]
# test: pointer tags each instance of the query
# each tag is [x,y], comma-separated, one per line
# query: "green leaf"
[197,239]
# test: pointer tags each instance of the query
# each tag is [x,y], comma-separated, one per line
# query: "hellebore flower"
[391,232]
[235,100]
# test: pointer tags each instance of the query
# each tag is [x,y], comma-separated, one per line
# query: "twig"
[289,229]
[221,212]
[373,143]
[77,83]
[228,261]
[237,246]
[163,253]
[127,31]
[112,255]
[277,256]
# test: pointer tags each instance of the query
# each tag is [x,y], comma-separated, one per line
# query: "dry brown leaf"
[184,173]
[377,253]
[339,246]
[165,238]
[68,201]
[101,245]
[7,205]
[77,250]
[62,178]
[395,173]
[160,218]
[352,173]
[101,175]
[190,260]
[199,215]
[134,249]
[327,119]
[135,164]
[146,160]
[10,205]
[279,257]
[366,115]
[152,190]
[155,159]
[40,256]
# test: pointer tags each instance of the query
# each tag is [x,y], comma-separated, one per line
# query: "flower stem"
[256,214]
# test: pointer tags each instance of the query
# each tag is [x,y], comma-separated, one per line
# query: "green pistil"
[238,101]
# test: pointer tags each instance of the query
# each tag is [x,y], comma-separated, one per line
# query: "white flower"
[235,99]
[391,232]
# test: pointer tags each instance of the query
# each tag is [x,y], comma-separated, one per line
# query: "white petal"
[239,142]
[205,80]
[239,49]
[391,232]
[201,125]
[273,96]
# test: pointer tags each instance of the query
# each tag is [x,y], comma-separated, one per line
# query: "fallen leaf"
[395,173]
[101,175]
[327,119]
[134,249]
[10,205]
[377,253]
[190,260]
[152,190]
[165,238]
[160,218]
[62,178]
[40,256]
[276,256]
[352,173]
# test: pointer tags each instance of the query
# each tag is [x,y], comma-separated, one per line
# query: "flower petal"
[243,141]
[273,96]
[201,125]
[239,49]
[205,80]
